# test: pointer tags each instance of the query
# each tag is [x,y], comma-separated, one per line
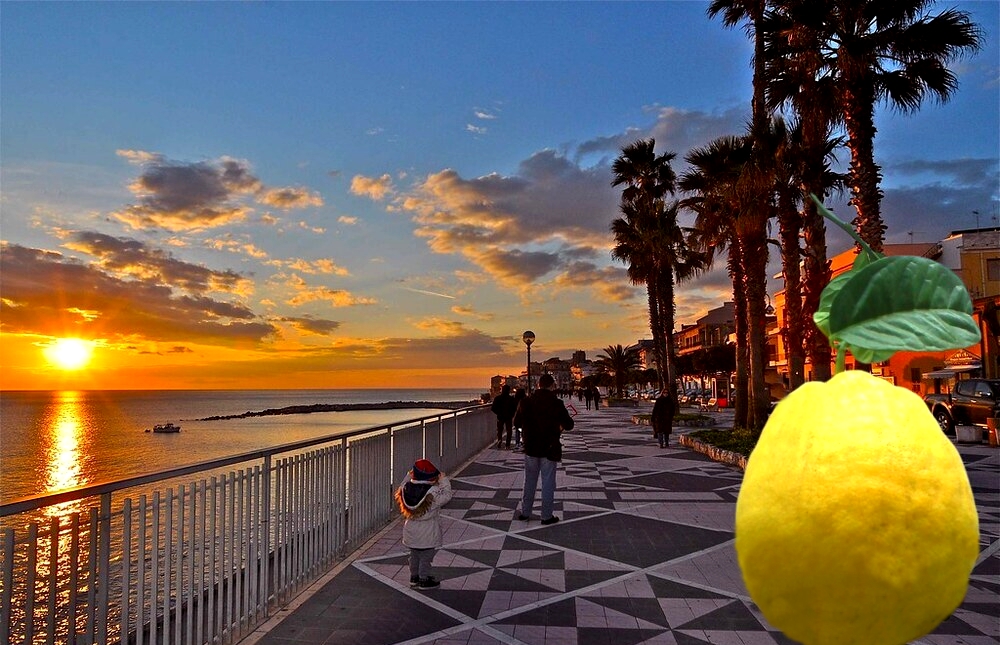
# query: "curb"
[714,453]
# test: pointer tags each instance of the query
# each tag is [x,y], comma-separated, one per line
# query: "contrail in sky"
[430,293]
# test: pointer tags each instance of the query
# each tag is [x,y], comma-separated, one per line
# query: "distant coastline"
[343,407]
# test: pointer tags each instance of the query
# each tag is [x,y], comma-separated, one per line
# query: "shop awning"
[951,372]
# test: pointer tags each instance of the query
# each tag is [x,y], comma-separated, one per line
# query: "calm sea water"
[55,440]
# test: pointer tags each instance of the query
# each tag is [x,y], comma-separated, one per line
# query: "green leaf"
[822,315]
[865,355]
[902,303]
[830,291]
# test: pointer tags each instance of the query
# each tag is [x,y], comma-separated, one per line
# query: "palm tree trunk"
[740,324]
[755,259]
[865,174]
[655,328]
[790,222]
[816,267]
[667,313]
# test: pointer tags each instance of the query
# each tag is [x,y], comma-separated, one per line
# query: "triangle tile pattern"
[643,556]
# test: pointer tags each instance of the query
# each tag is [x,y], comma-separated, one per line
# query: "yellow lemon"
[855,522]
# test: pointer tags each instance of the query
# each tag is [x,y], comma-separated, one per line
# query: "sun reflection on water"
[63,458]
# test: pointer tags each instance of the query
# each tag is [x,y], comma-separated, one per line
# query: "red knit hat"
[424,470]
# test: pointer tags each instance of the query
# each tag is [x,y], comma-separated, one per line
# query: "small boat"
[165,428]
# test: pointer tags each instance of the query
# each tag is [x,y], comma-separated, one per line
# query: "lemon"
[855,522]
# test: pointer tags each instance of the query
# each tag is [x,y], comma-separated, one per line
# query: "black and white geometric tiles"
[643,555]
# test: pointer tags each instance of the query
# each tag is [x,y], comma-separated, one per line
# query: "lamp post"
[528,337]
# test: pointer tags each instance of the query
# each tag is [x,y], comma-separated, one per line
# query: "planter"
[992,424]
[968,434]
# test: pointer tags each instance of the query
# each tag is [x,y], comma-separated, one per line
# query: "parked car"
[971,403]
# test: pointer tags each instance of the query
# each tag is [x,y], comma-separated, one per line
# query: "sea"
[54,440]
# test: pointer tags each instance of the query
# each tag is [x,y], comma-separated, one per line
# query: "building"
[647,354]
[974,255]
[710,330]
[560,371]
[497,382]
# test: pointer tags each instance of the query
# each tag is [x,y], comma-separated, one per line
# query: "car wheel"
[944,420]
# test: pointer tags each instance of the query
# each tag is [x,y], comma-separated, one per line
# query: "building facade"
[974,255]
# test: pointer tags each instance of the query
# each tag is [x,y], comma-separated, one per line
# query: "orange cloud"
[376,188]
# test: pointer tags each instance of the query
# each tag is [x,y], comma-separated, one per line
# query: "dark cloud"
[312,325]
[963,172]
[179,196]
[45,292]
[129,257]
[613,282]
[675,130]
[288,198]
[516,265]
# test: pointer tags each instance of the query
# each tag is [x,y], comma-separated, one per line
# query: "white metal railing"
[205,553]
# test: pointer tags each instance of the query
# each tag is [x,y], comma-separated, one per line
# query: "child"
[421,496]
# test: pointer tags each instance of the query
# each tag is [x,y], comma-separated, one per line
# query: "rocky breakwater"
[345,407]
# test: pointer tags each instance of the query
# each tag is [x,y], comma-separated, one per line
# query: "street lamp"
[528,337]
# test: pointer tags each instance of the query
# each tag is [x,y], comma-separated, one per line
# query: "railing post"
[8,582]
[104,565]
[266,550]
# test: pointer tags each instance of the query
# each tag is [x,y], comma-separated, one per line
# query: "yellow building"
[975,256]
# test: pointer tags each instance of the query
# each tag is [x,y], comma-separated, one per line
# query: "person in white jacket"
[421,496]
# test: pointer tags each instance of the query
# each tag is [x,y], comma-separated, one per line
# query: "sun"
[69,353]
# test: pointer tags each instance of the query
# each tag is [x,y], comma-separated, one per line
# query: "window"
[965,388]
[993,269]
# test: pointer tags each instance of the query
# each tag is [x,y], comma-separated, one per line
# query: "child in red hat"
[421,496]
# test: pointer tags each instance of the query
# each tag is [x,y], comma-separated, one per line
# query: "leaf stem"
[841,364]
[844,226]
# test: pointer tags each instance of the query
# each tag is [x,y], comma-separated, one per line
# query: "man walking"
[504,407]
[662,418]
[543,417]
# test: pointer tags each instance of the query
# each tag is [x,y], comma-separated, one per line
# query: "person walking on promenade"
[662,418]
[504,407]
[589,393]
[420,497]
[519,395]
[597,399]
[543,417]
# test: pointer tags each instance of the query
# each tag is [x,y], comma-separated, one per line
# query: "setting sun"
[69,353]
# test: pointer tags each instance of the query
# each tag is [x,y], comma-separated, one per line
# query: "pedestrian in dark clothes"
[544,417]
[504,407]
[663,417]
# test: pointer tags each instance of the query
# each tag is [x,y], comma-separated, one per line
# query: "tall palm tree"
[711,184]
[755,185]
[647,178]
[675,261]
[783,146]
[796,75]
[876,51]
[633,246]
[619,361]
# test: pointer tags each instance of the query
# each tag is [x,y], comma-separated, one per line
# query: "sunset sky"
[357,194]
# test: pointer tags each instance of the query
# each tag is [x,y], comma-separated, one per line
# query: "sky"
[377,194]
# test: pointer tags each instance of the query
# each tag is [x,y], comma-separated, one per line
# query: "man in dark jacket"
[504,407]
[663,417]
[542,417]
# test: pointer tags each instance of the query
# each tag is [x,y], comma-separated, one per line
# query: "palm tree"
[796,76]
[876,51]
[711,184]
[782,143]
[633,246]
[619,361]
[647,178]
[755,186]
[792,162]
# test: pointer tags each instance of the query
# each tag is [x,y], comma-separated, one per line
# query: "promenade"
[643,555]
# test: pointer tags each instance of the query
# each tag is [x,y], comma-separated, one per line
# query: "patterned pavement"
[643,555]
